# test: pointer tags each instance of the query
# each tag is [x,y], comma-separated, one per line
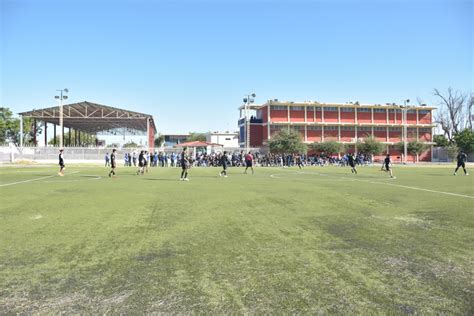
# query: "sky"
[190,63]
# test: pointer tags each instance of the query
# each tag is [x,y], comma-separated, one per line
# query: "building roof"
[197,144]
[93,118]
[350,104]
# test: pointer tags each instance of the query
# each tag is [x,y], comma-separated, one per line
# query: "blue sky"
[189,63]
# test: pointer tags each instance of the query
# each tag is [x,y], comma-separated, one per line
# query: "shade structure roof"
[93,118]
[197,144]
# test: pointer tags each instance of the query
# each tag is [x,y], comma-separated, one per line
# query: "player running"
[113,163]
[62,166]
[387,166]
[184,160]
[249,162]
[225,164]
[461,158]
[141,163]
[351,161]
[299,161]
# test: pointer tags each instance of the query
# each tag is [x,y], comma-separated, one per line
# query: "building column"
[339,133]
[63,136]
[268,122]
[372,130]
[288,109]
[386,111]
[21,132]
[314,113]
[305,133]
[322,114]
[54,132]
[34,132]
[70,143]
[339,114]
[322,133]
[417,134]
[372,114]
[79,138]
[45,134]
[388,134]
[305,114]
[417,117]
[355,114]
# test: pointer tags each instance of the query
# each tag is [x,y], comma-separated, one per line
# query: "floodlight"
[66,90]
[56,96]
[253,95]
[245,100]
[65,97]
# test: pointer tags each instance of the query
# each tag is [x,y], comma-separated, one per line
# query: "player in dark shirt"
[62,166]
[461,158]
[387,163]
[351,161]
[225,163]
[299,161]
[141,162]
[184,160]
[113,163]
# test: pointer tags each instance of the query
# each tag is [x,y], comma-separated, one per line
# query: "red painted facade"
[345,123]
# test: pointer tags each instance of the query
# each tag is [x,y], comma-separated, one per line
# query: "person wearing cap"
[184,160]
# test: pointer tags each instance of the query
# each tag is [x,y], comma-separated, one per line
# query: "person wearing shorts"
[351,161]
[141,163]
[387,166]
[184,160]
[62,166]
[225,164]
[113,163]
[461,162]
[249,162]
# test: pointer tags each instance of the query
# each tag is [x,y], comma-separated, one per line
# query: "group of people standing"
[226,160]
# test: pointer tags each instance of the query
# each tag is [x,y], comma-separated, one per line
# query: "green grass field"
[280,241]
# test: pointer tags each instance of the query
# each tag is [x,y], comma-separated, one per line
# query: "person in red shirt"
[249,162]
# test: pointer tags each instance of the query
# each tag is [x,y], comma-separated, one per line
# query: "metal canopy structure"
[94,118]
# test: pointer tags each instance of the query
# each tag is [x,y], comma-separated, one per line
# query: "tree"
[130,144]
[370,146]
[440,140]
[415,147]
[194,137]
[159,140]
[455,112]
[287,141]
[452,150]
[465,140]
[330,147]
[10,128]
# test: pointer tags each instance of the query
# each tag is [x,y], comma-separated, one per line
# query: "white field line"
[276,176]
[31,180]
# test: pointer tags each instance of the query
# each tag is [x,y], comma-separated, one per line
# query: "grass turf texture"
[323,241]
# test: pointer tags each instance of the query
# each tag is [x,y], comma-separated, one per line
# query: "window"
[411,111]
[395,129]
[380,129]
[424,112]
[330,128]
[298,128]
[347,109]
[330,109]
[297,108]
[318,109]
[425,130]
[379,110]
[364,128]
[314,128]
[363,110]
[228,139]
[278,107]
[347,128]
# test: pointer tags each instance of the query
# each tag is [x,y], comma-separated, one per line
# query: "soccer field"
[319,240]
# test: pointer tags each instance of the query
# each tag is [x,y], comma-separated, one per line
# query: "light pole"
[249,99]
[404,109]
[61,97]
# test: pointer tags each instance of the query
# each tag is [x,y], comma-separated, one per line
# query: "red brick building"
[345,123]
